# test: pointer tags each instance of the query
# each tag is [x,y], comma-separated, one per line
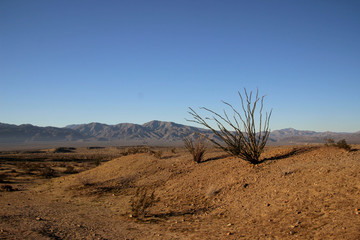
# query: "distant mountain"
[154,132]
[28,133]
[290,135]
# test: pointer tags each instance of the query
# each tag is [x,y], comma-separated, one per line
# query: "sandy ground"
[298,193]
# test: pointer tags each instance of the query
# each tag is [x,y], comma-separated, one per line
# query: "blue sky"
[64,62]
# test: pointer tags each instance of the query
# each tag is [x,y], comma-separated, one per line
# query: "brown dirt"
[297,193]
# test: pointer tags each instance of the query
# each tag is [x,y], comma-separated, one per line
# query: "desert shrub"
[97,162]
[343,144]
[329,142]
[340,144]
[196,148]
[142,201]
[70,169]
[47,172]
[135,150]
[28,167]
[3,177]
[7,188]
[246,142]
[158,154]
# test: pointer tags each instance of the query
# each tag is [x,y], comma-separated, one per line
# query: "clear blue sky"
[81,61]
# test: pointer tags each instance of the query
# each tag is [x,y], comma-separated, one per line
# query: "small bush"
[142,201]
[97,162]
[135,150]
[158,154]
[7,188]
[3,177]
[340,144]
[196,148]
[70,169]
[329,142]
[29,167]
[343,144]
[47,172]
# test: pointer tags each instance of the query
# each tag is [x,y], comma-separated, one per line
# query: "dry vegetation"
[244,134]
[303,192]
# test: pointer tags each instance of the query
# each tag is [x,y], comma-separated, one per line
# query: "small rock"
[357,211]
[38,219]
[229,233]
[229,224]
[131,216]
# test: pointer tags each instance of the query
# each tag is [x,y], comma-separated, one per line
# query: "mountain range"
[150,133]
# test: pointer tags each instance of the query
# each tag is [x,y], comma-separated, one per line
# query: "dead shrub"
[196,148]
[142,201]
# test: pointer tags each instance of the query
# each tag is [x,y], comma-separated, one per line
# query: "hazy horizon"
[74,62]
[189,124]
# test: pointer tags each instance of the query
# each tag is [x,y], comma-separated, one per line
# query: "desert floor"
[298,192]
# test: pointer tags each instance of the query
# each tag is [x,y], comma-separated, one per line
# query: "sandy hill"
[298,193]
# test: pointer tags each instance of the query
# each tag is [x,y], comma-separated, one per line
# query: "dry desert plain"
[298,192]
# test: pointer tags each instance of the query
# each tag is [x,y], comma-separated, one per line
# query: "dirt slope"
[298,193]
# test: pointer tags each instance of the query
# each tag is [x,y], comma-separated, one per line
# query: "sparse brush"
[340,144]
[7,188]
[142,201]
[158,154]
[97,162]
[246,139]
[329,142]
[47,172]
[343,144]
[70,169]
[196,148]
[135,150]
[3,177]
[85,181]
[29,167]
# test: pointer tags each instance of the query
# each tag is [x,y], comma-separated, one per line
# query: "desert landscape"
[179,120]
[296,192]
